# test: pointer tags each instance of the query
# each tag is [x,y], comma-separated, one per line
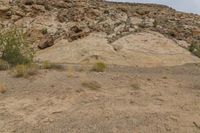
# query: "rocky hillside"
[47,22]
[98,67]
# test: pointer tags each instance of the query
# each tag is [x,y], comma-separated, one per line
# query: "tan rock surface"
[145,49]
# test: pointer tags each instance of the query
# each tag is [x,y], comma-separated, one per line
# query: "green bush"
[14,48]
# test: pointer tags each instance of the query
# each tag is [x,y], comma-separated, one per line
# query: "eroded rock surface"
[73,21]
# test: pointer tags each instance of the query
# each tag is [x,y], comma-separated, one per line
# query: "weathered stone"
[46,42]
[77,33]
[28,2]
[15,17]
[38,8]
[19,13]
[4,8]
[196,32]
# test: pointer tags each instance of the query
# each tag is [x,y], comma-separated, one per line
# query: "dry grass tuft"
[2,88]
[3,65]
[25,70]
[93,85]
[135,86]
[54,66]
[99,67]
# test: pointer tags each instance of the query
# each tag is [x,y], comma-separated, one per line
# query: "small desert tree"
[14,47]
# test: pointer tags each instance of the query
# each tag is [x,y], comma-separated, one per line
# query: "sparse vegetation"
[99,67]
[195,49]
[93,85]
[155,23]
[44,31]
[2,88]
[25,70]
[14,48]
[48,65]
[135,86]
[3,65]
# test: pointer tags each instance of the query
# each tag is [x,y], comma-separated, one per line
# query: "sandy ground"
[130,100]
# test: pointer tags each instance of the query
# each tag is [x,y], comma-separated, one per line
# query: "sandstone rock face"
[141,49]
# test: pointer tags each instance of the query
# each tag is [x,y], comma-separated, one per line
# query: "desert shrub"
[195,49]
[99,67]
[48,65]
[155,23]
[93,85]
[14,47]
[2,88]
[25,70]
[171,33]
[142,25]
[135,86]
[44,31]
[3,65]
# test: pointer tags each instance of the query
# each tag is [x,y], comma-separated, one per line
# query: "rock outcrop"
[115,19]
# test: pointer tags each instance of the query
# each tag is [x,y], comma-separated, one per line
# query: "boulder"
[46,42]
[5,12]
[4,9]
[77,33]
